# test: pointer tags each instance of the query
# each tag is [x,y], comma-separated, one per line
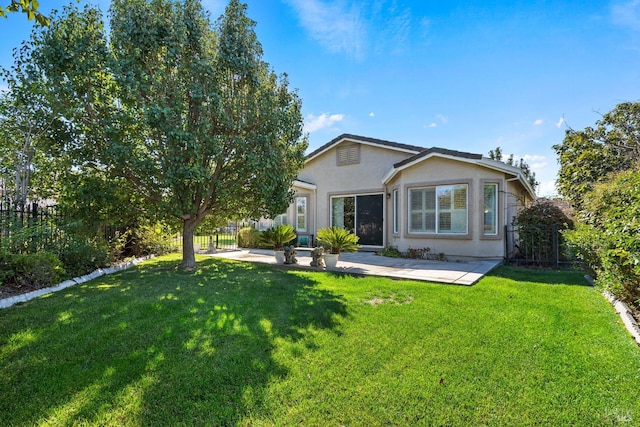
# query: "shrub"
[248,237]
[608,236]
[142,239]
[32,239]
[336,240]
[391,252]
[81,256]
[31,270]
[277,237]
[536,223]
[422,253]
[149,240]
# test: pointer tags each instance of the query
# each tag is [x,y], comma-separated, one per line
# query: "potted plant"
[277,237]
[336,240]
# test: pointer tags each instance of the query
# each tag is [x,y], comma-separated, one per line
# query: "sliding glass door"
[361,214]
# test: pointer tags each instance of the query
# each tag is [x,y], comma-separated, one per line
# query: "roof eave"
[304,185]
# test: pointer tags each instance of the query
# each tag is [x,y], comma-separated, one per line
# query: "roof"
[419,154]
[406,148]
[441,151]
[304,184]
[472,158]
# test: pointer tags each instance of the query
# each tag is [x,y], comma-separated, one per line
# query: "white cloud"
[535,161]
[372,114]
[443,119]
[433,125]
[560,122]
[314,123]
[332,24]
[354,27]
[538,122]
[626,14]
[547,189]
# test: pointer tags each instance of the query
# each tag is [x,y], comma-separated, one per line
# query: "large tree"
[522,164]
[189,114]
[26,124]
[588,156]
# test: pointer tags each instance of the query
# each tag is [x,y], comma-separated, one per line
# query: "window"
[441,209]
[280,220]
[348,155]
[490,209]
[301,214]
[396,216]
[343,212]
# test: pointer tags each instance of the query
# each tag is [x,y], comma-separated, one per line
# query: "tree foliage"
[27,125]
[608,234]
[600,174]
[28,7]
[588,156]
[186,112]
[530,175]
[537,224]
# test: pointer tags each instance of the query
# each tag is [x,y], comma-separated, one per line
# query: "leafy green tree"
[496,154]
[608,234]
[588,156]
[26,124]
[28,7]
[188,114]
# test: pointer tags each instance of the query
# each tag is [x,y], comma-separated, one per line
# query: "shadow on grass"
[156,346]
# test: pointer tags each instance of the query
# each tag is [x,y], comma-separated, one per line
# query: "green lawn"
[240,344]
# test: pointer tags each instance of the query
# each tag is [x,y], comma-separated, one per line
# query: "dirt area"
[8,291]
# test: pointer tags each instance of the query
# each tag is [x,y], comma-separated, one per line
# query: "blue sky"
[462,75]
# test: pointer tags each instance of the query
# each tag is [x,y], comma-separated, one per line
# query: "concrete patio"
[458,272]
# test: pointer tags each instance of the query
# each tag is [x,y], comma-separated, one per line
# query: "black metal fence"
[28,227]
[537,246]
[224,238]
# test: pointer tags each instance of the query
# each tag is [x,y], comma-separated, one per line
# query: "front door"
[361,214]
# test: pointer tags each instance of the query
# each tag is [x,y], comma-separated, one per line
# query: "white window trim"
[396,211]
[495,209]
[304,214]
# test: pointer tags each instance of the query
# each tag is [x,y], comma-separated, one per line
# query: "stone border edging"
[8,302]
[623,311]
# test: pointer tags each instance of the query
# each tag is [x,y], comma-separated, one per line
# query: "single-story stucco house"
[406,196]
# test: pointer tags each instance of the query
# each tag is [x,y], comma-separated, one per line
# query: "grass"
[240,344]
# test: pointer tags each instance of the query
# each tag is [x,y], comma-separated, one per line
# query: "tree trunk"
[188,254]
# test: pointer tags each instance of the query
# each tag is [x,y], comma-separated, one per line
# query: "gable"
[482,166]
[350,164]
[345,139]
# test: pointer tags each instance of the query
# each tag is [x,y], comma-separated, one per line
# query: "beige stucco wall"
[310,195]
[361,178]
[366,177]
[443,171]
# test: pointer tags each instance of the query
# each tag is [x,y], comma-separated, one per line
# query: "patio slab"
[459,272]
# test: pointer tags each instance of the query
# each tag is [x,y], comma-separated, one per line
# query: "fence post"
[556,245]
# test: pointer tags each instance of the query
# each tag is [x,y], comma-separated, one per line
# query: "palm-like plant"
[278,236]
[337,240]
